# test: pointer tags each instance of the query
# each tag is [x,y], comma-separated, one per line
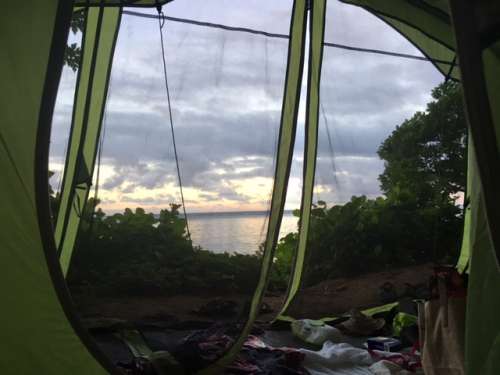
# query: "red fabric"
[410,362]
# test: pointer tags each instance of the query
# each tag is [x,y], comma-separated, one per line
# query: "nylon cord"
[161,23]
[284,36]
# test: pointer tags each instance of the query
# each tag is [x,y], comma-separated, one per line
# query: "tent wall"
[99,38]
[482,336]
[121,3]
[317,33]
[429,29]
[477,29]
[38,334]
[428,25]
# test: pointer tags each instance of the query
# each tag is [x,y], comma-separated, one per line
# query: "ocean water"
[232,232]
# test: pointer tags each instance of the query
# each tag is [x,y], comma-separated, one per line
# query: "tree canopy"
[417,220]
[426,155]
[73,52]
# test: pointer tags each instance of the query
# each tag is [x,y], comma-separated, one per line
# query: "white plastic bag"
[337,359]
[315,331]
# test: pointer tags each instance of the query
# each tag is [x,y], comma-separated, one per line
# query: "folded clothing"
[204,347]
[408,361]
[345,359]
[257,358]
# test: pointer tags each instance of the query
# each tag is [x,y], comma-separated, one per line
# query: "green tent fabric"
[470,214]
[38,336]
[41,334]
[429,29]
[483,304]
[426,24]
[99,39]
[483,301]
[286,141]
[121,3]
[317,32]
[479,50]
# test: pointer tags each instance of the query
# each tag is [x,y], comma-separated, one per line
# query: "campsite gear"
[401,321]
[315,331]
[409,336]
[447,277]
[158,363]
[138,366]
[408,361]
[31,66]
[385,367]
[442,329]
[386,344]
[387,292]
[408,306]
[146,362]
[203,347]
[360,324]
[341,356]
[405,326]
[258,358]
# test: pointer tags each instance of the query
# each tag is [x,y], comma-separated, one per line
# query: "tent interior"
[250,187]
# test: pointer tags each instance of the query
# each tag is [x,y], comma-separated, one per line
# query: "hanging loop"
[161,15]
[161,22]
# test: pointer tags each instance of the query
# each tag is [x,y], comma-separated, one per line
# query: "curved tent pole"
[430,33]
[43,207]
[43,335]
[316,44]
[101,31]
[286,141]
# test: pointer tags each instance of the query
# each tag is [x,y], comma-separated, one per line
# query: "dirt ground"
[328,298]
[338,296]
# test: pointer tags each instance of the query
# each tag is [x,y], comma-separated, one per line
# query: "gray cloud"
[226,91]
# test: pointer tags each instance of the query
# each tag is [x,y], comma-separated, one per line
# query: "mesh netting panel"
[135,258]
[382,210]
[61,121]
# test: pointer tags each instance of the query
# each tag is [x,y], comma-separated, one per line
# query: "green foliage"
[416,221]
[426,154]
[135,253]
[73,52]
[282,265]
[366,235]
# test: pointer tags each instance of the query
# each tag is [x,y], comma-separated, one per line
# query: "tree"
[426,155]
[417,221]
[73,52]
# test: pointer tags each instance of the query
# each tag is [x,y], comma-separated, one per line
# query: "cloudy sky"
[226,92]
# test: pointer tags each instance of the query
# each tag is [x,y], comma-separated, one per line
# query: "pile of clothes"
[343,352]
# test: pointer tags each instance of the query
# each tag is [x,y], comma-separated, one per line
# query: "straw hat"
[360,324]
